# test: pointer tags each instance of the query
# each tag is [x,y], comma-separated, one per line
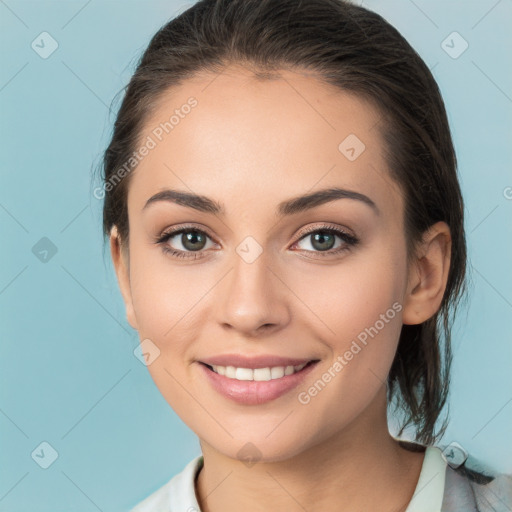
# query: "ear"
[428,275]
[121,265]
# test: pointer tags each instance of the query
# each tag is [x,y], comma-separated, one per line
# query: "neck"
[360,468]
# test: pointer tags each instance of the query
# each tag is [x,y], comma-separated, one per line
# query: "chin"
[260,448]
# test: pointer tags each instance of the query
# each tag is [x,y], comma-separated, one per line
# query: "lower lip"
[249,392]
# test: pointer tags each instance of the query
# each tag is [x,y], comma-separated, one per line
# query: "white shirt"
[178,495]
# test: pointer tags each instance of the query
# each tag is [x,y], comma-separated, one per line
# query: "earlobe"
[428,275]
[121,267]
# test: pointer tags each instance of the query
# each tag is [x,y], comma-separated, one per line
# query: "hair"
[357,51]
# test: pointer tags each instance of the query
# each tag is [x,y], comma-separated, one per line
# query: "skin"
[250,144]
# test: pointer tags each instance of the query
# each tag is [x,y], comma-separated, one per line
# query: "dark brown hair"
[357,51]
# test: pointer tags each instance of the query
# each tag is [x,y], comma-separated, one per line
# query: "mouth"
[255,386]
[258,374]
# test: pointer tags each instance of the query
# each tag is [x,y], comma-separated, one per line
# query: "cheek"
[165,294]
[359,303]
[362,351]
[168,307]
[348,297]
[172,305]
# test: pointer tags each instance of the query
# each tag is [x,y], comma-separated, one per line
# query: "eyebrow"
[289,207]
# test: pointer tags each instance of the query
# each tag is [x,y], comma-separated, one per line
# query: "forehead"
[276,137]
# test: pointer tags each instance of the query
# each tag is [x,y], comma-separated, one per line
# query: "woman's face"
[260,278]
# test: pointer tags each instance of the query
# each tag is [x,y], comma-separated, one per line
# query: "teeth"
[258,374]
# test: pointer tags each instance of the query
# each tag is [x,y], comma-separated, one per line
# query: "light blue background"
[68,373]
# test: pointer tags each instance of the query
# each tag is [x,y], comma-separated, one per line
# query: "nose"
[254,298]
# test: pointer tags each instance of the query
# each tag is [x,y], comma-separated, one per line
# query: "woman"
[286,226]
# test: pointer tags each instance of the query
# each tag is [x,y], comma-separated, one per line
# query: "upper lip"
[259,361]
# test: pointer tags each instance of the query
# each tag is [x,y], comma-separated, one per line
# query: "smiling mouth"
[258,374]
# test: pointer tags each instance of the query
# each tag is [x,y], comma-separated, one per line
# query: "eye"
[186,240]
[322,240]
[191,242]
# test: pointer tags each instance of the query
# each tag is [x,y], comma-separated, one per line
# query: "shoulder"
[470,485]
[474,486]
[177,494]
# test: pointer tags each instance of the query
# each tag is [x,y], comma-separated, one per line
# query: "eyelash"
[350,241]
